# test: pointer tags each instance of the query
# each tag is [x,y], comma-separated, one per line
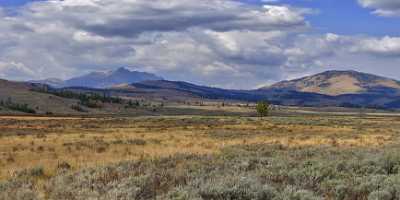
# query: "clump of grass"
[139,142]
[40,148]
[78,108]
[63,166]
[10,159]
[101,149]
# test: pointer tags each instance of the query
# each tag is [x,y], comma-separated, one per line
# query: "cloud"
[378,55]
[127,18]
[14,69]
[386,46]
[386,8]
[211,42]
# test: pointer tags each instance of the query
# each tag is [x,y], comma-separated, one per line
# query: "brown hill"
[341,82]
[18,97]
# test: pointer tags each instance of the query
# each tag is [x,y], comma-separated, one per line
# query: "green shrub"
[391,163]
[380,195]
[78,108]
[263,108]
[181,194]
[37,172]
[291,193]
[235,188]
[139,142]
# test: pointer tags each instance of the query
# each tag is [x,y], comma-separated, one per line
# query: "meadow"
[287,157]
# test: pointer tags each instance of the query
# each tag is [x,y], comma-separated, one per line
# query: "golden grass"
[28,142]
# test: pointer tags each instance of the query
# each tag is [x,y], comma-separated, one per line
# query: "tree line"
[91,100]
[17,106]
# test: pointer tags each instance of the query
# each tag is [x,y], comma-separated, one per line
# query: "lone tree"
[263,108]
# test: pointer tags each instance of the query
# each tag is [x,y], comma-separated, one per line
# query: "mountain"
[336,83]
[179,91]
[375,95]
[173,88]
[54,82]
[102,79]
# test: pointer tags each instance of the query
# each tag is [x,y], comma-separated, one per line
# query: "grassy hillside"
[15,93]
[341,82]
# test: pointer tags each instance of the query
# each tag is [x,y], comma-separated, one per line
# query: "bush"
[91,103]
[245,172]
[37,172]
[291,193]
[181,194]
[17,191]
[133,104]
[262,108]
[391,163]
[78,108]
[235,188]
[380,195]
[139,142]
[64,166]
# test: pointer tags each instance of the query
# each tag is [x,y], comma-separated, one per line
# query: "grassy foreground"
[296,157]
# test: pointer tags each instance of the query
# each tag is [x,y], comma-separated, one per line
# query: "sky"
[240,44]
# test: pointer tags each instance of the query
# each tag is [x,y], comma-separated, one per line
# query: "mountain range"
[330,88]
[177,90]
[102,79]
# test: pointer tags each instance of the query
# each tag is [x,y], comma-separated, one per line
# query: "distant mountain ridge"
[331,88]
[188,89]
[181,91]
[102,79]
[336,83]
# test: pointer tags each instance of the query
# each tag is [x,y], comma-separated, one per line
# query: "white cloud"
[382,7]
[211,42]
[14,69]
[282,14]
[386,46]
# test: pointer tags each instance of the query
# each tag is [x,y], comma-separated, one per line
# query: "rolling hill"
[19,97]
[191,90]
[336,83]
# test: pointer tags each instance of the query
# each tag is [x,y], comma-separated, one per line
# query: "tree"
[263,108]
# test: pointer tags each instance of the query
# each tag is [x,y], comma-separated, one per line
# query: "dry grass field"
[198,157]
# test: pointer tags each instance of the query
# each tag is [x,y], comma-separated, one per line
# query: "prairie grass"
[194,157]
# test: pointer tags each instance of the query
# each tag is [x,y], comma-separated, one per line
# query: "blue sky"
[215,42]
[13,2]
[344,17]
